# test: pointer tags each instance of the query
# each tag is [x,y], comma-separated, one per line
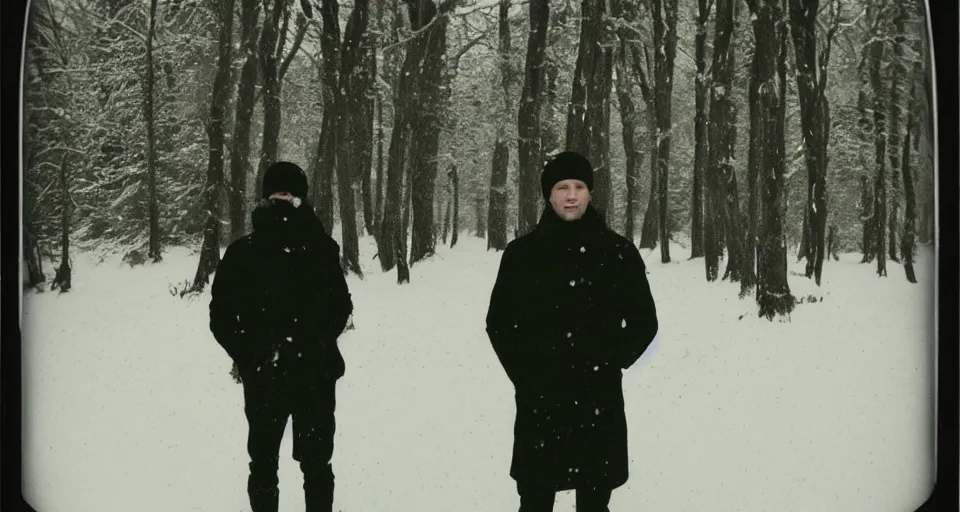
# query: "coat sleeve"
[639,323]
[503,321]
[340,302]
[225,322]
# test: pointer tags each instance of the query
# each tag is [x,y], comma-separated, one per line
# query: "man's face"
[569,199]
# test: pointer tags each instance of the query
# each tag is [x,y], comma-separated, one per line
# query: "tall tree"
[219,101]
[153,251]
[876,51]
[768,106]
[814,119]
[665,41]
[587,131]
[722,137]
[530,118]
[350,115]
[699,128]
[629,121]
[908,240]
[428,117]
[324,160]
[497,204]
[246,100]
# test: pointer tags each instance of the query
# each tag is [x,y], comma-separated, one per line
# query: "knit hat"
[284,177]
[568,165]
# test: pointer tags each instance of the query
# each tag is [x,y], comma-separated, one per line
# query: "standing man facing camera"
[571,308]
[279,303]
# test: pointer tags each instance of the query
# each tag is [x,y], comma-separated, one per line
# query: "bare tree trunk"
[768,107]
[273,67]
[425,148]
[665,40]
[876,52]
[446,217]
[270,81]
[592,84]
[815,121]
[628,119]
[864,135]
[348,111]
[378,201]
[497,204]
[63,276]
[649,232]
[405,100]
[530,119]
[497,234]
[721,137]
[219,101]
[324,163]
[246,100]
[481,217]
[907,242]
[403,268]
[153,251]
[896,69]
[455,177]
[371,213]
[756,158]
[699,130]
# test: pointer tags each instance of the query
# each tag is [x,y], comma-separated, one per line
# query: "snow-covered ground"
[128,405]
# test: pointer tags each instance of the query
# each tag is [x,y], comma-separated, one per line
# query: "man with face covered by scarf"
[570,310]
[279,303]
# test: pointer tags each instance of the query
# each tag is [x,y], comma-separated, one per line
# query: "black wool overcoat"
[571,309]
[279,298]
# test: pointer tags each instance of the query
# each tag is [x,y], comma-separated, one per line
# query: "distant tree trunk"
[880,141]
[63,276]
[153,251]
[864,138]
[446,218]
[219,101]
[649,234]
[665,41]
[592,84]
[425,147]
[907,241]
[403,267]
[246,100]
[755,158]
[378,200]
[349,116]
[371,108]
[768,107]
[324,163]
[815,121]
[896,69]
[628,119]
[455,178]
[721,136]
[497,213]
[481,216]
[497,204]
[530,119]
[699,130]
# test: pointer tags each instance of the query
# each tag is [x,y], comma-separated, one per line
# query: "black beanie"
[568,165]
[285,177]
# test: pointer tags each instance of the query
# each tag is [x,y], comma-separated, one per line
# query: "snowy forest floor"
[128,404]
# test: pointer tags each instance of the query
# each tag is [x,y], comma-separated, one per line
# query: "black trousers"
[268,403]
[534,498]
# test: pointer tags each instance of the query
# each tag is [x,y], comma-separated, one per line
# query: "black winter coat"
[571,308]
[279,297]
